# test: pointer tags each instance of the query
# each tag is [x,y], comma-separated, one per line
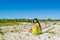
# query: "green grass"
[11,22]
[50,31]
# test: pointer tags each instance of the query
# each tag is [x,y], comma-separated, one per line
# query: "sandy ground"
[24,35]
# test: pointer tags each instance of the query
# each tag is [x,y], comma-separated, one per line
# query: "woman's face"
[35,21]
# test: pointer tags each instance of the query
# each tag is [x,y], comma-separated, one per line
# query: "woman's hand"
[30,29]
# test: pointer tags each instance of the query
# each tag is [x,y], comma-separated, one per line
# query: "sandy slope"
[24,35]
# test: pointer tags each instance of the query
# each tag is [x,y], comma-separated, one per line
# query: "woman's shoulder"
[36,24]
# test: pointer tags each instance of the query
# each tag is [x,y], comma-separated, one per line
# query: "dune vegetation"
[11,22]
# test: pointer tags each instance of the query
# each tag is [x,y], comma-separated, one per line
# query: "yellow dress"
[36,29]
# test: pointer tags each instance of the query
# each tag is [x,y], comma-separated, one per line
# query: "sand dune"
[20,33]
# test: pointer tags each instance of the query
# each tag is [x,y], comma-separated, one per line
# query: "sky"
[42,9]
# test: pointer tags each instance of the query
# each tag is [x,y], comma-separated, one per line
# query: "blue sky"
[41,9]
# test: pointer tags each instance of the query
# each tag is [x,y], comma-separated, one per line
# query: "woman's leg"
[30,29]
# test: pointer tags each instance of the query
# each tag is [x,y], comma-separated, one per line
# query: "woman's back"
[36,29]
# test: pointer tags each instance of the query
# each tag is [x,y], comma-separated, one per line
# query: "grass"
[49,31]
[2,33]
[11,24]
[8,22]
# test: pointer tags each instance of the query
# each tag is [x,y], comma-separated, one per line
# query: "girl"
[36,29]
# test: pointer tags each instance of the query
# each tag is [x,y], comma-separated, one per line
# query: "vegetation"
[49,31]
[24,20]
[6,22]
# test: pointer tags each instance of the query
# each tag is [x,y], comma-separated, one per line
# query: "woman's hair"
[37,21]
